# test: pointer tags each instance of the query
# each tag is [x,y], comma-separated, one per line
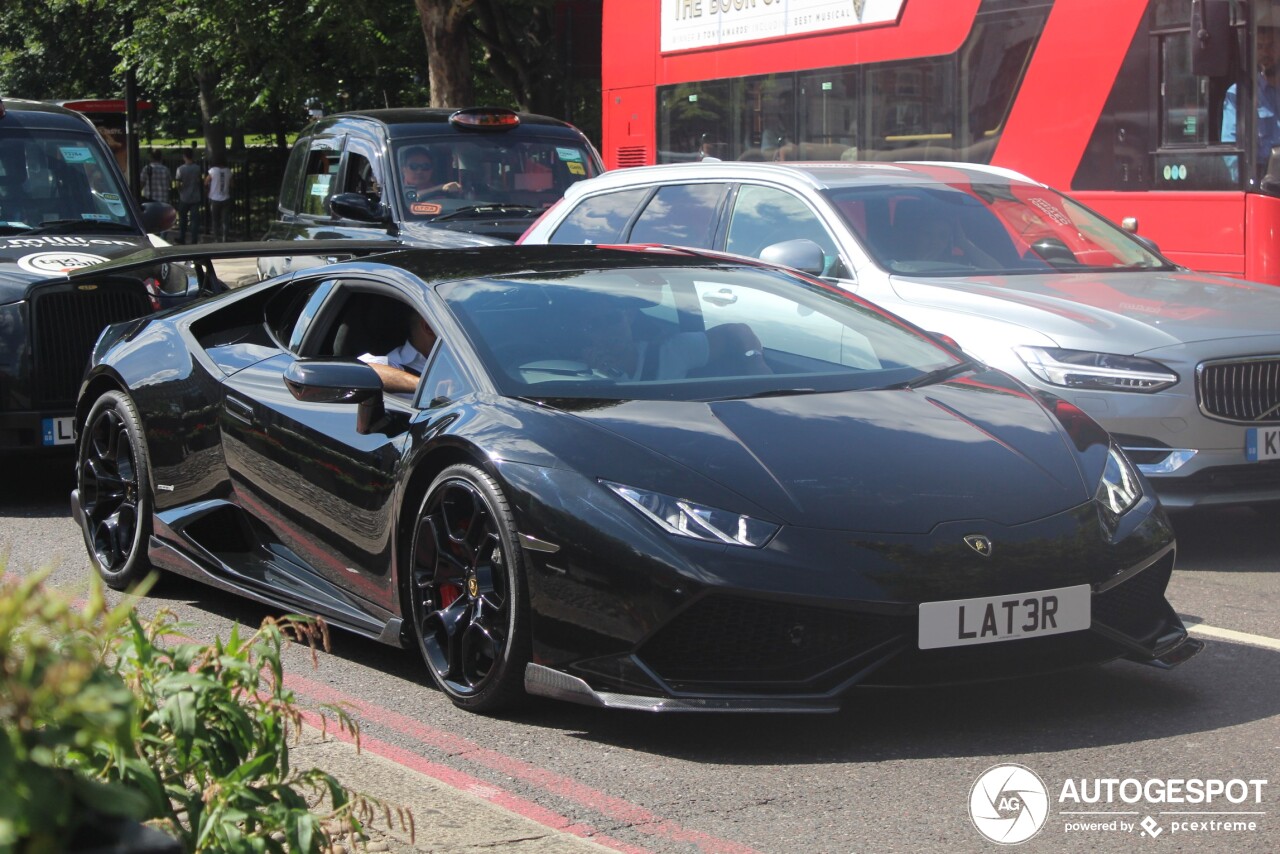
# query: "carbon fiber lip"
[546,682]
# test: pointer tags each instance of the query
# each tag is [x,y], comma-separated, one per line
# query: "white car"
[1183,368]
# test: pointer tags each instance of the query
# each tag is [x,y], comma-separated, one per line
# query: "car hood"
[1144,310]
[27,261]
[976,447]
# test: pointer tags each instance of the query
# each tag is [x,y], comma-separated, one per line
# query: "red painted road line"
[616,809]
[473,786]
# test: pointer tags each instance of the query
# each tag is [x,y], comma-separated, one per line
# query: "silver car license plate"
[961,622]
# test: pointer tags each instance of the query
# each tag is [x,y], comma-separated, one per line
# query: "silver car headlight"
[696,521]
[1119,489]
[1085,369]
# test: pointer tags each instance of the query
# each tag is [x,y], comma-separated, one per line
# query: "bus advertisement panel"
[1160,114]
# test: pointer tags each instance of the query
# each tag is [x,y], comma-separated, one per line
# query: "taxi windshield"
[51,180]
[972,229]
[448,178]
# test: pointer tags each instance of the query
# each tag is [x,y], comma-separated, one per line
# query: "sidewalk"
[456,816]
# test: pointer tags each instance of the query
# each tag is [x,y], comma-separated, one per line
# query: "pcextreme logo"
[1010,803]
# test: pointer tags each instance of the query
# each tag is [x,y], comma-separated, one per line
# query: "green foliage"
[105,715]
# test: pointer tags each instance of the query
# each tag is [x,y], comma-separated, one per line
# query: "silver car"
[1183,368]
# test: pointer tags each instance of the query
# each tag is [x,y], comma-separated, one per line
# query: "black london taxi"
[63,205]
[435,177]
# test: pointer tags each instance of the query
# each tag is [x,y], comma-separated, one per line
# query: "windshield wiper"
[14,228]
[931,377]
[59,226]
[486,210]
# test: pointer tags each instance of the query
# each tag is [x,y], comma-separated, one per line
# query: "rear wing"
[200,258]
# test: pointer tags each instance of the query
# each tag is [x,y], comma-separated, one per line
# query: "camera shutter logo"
[1008,804]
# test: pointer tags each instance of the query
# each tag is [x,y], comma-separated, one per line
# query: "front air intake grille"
[730,640]
[1244,390]
[64,326]
[1136,606]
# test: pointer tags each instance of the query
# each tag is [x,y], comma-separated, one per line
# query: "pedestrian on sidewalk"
[156,180]
[218,181]
[190,197]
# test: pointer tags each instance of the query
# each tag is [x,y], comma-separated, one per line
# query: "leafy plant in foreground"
[106,717]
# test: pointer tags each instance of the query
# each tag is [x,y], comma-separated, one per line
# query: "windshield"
[448,176]
[985,229]
[683,334]
[57,178]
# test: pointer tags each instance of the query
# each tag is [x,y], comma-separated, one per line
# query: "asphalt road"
[892,772]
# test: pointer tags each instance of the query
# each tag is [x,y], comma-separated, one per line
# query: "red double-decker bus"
[1160,114]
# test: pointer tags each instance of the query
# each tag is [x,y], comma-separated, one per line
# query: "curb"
[446,818]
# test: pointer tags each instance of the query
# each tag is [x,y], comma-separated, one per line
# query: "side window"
[444,382]
[291,310]
[363,174]
[599,219]
[292,176]
[764,215]
[681,215]
[319,179]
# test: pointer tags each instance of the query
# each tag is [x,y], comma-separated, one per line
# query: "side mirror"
[1212,39]
[357,206]
[1053,250]
[355,383]
[804,255]
[158,217]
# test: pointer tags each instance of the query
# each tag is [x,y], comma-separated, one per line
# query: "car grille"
[1241,390]
[1136,606]
[65,325]
[729,640]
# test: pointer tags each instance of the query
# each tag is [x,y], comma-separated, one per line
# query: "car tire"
[113,479]
[468,599]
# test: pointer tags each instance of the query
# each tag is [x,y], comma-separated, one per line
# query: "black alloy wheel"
[114,489]
[469,604]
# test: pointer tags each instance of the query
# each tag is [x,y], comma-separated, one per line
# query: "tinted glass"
[320,176]
[983,229]
[763,216]
[444,175]
[55,176]
[293,176]
[680,215]
[950,107]
[611,335]
[599,219]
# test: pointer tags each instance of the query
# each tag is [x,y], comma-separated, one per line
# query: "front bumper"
[727,652]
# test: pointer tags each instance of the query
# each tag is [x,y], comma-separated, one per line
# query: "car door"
[309,181]
[323,489]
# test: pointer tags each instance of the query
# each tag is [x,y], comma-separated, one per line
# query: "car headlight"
[1119,489]
[1084,369]
[696,521]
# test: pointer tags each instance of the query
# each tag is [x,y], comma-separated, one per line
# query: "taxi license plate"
[1262,443]
[962,622]
[57,431]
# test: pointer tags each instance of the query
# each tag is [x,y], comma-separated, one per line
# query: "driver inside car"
[417,172]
